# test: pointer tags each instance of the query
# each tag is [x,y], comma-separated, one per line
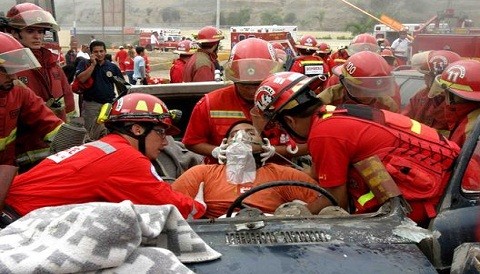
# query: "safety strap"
[105,147]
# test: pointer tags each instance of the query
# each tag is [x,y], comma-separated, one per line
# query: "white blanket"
[102,238]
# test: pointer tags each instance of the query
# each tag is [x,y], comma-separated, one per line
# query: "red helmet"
[363,42]
[387,54]
[433,62]
[185,48]
[462,78]
[209,35]
[282,91]
[14,57]
[251,61]
[27,14]
[141,107]
[366,74]
[307,42]
[324,48]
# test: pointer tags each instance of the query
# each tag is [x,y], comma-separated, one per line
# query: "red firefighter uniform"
[121,56]
[50,83]
[213,115]
[415,155]
[22,113]
[108,170]
[176,71]
[461,120]
[310,65]
[200,67]
[337,95]
[337,58]
[428,111]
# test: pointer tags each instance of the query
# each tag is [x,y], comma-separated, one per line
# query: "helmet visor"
[372,87]
[37,18]
[251,70]
[18,60]
[354,48]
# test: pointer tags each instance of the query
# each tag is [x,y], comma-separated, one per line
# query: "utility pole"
[217,21]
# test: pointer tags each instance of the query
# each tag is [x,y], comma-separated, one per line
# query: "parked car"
[380,242]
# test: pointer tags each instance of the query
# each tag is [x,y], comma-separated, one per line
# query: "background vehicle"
[167,41]
[285,35]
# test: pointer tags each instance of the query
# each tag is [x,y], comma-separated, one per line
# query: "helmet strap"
[126,129]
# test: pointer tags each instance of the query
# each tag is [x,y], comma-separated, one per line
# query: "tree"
[290,18]
[170,15]
[271,18]
[362,25]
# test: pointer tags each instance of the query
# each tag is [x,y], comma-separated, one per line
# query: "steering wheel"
[238,202]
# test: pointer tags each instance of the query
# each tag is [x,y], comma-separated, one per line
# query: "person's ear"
[137,130]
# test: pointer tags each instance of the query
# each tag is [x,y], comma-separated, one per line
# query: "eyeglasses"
[161,132]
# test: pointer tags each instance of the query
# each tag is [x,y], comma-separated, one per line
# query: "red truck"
[168,41]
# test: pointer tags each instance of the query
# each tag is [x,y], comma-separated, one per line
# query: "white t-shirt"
[83,54]
[153,39]
[400,47]
[138,67]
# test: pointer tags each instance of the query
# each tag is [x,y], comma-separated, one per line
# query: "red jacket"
[461,120]
[415,155]
[120,58]
[200,67]
[107,170]
[310,65]
[25,121]
[213,115]
[176,71]
[428,111]
[49,81]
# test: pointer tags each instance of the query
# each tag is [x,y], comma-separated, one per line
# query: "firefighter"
[24,114]
[324,52]
[307,63]
[202,65]
[387,54]
[346,142]
[28,24]
[113,169]
[361,42]
[281,53]
[365,78]
[185,50]
[430,111]
[460,82]
[251,60]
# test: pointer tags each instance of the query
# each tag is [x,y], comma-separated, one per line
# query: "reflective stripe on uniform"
[227,114]
[311,62]
[416,127]
[362,200]
[105,147]
[5,141]
[329,113]
[49,136]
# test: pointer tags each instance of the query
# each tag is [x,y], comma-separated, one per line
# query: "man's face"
[155,142]
[6,81]
[251,133]
[30,37]
[247,91]
[99,53]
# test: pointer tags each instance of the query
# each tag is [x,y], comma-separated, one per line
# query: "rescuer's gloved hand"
[268,151]
[220,152]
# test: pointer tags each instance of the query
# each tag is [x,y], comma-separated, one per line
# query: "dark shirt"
[103,90]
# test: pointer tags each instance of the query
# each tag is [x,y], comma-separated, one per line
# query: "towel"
[102,238]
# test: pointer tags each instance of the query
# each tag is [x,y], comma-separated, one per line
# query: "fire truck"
[450,32]
[285,35]
[168,39]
